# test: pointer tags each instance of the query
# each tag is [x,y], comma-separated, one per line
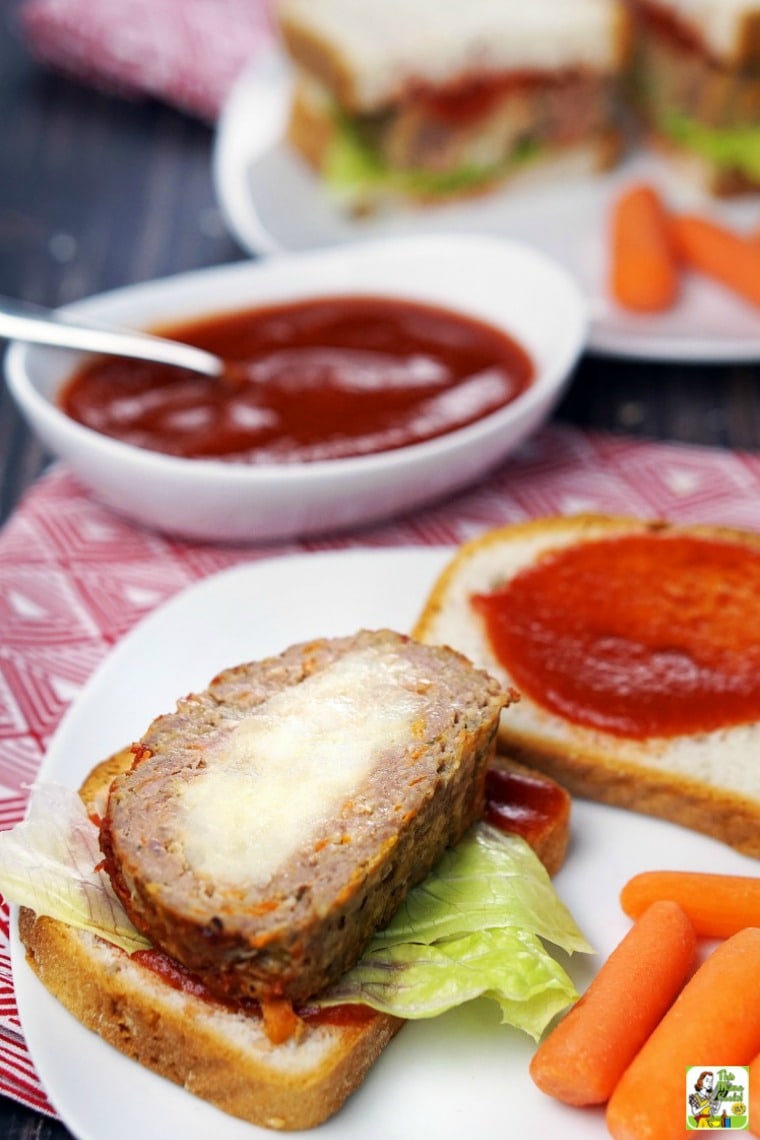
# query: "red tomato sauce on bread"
[641,635]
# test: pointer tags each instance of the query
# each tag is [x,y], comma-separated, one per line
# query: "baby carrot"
[719,253]
[584,1056]
[718,905]
[715,1018]
[644,269]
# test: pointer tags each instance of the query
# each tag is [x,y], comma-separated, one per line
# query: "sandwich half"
[696,81]
[295,864]
[430,100]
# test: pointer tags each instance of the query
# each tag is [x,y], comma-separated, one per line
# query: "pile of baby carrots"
[652,247]
[653,1010]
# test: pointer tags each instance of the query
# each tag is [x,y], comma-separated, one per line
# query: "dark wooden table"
[97,192]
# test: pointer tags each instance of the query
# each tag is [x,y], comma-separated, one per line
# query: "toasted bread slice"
[706,780]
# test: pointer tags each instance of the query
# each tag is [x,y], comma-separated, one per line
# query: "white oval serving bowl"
[506,284]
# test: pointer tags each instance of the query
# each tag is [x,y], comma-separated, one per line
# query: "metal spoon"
[21,320]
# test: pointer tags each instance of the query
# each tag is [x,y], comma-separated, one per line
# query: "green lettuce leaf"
[50,862]
[413,981]
[472,929]
[737,147]
[490,879]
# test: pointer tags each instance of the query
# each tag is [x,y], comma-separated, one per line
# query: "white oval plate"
[272,202]
[510,286]
[460,1075]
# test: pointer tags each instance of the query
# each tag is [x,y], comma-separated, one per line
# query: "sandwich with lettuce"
[429,100]
[216,790]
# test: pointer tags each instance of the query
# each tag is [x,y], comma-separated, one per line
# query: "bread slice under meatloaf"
[274,821]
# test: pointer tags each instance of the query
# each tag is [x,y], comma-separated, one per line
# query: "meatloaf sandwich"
[282,887]
[696,70]
[433,99]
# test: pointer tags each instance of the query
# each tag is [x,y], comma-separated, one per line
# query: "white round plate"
[273,202]
[460,1075]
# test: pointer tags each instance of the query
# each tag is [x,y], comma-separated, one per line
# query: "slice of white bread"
[369,54]
[708,781]
[216,1052]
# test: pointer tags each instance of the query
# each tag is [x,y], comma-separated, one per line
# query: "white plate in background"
[459,1075]
[272,202]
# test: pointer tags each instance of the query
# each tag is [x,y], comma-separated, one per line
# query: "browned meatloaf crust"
[310,922]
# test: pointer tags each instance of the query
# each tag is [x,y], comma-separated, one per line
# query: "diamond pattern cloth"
[75,578]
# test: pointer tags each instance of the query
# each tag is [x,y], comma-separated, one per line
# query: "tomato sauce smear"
[640,635]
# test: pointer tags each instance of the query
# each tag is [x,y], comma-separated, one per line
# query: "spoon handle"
[21,320]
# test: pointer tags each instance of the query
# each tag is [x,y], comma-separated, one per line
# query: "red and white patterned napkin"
[74,579]
[185,52]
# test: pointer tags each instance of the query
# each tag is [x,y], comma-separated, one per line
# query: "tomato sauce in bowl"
[310,380]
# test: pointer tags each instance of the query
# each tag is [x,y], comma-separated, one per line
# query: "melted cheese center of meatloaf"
[283,774]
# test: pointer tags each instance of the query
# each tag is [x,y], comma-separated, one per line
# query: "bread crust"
[215,1054]
[645,776]
[321,60]
[310,130]
[748,49]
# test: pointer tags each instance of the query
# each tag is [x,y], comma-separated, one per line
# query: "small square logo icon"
[717,1097]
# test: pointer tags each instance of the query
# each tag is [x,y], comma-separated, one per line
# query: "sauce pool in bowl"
[318,379]
[511,289]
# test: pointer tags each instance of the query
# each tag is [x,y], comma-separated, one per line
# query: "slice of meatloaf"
[272,822]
